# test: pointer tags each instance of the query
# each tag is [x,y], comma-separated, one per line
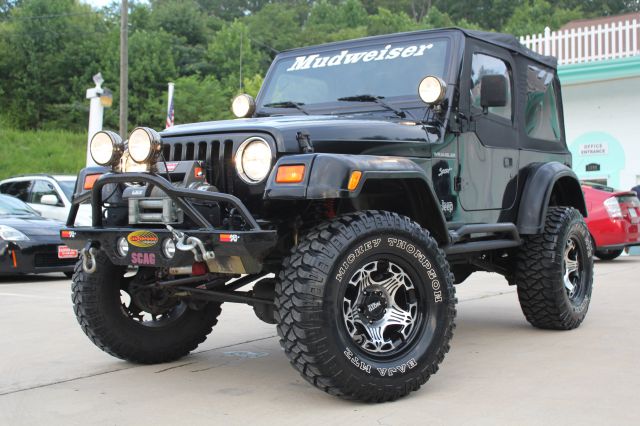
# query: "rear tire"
[554,271]
[608,254]
[365,306]
[110,325]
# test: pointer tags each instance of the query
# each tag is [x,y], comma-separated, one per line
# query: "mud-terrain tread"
[543,302]
[299,298]
[86,305]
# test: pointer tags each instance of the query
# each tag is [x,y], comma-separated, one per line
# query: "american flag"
[169,122]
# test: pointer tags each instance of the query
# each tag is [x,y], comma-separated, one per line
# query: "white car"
[50,195]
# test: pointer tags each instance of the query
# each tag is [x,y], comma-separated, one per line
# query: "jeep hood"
[328,133]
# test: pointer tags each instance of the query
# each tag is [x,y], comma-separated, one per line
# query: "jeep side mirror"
[49,200]
[493,92]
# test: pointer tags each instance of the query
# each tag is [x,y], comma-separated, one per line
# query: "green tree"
[533,16]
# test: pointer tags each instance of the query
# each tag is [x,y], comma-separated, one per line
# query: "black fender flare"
[542,179]
[327,177]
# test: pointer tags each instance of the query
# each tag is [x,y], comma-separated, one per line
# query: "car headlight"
[8,233]
[144,145]
[106,148]
[253,160]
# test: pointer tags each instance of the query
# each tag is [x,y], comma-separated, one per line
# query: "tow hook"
[89,263]
[192,244]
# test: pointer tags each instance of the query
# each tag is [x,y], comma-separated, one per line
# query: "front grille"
[45,260]
[207,151]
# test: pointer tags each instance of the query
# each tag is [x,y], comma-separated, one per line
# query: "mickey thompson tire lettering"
[310,291]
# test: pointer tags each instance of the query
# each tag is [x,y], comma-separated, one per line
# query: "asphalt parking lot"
[499,371]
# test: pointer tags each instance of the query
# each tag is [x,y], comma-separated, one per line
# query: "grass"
[45,151]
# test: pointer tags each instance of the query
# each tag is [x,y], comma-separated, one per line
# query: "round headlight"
[123,246]
[243,106]
[106,148]
[144,145]
[168,248]
[432,90]
[253,160]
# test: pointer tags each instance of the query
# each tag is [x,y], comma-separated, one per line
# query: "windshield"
[390,70]
[68,186]
[10,206]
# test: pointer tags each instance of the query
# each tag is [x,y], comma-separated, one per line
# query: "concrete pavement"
[499,371]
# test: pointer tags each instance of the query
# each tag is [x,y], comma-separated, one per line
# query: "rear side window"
[542,120]
[19,190]
[482,65]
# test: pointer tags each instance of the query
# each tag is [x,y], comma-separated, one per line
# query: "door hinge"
[457,184]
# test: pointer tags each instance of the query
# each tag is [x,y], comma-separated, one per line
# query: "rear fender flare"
[542,180]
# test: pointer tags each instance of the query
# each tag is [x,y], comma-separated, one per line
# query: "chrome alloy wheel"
[572,270]
[380,308]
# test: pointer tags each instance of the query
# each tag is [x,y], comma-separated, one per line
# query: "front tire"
[366,306]
[554,272]
[108,314]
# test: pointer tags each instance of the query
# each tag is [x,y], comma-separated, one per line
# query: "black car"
[369,176]
[29,243]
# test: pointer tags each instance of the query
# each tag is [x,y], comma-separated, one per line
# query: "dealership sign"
[594,149]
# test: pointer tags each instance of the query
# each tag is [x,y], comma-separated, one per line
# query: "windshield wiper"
[376,99]
[288,104]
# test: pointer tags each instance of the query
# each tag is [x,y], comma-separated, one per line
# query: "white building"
[599,68]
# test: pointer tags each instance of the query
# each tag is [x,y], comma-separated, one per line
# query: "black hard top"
[506,41]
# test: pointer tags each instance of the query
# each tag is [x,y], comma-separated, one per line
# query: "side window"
[19,190]
[541,112]
[41,188]
[482,65]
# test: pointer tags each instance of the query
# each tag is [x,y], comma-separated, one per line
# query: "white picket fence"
[591,43]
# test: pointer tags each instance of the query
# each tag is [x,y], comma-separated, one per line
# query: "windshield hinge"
[304,141]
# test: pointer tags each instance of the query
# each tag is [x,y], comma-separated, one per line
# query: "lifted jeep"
[366,179]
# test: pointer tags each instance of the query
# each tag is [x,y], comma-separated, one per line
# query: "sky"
[101,3]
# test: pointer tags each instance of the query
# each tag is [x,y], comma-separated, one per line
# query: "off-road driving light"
[168,248]
[130,166]
[243,106]
[106,148]
[253,160]
[432,90]
[123,246]
[144,145]
[290,174]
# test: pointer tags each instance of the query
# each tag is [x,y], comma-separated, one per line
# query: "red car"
[614,219]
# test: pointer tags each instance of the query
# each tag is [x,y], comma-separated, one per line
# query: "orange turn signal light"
[89,180]
[354,180]
[290,174]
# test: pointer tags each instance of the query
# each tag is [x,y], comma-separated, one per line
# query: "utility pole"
[124,67]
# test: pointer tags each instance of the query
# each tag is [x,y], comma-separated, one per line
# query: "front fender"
[327,175]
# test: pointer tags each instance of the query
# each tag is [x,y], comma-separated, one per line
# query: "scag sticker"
[142,239]
[143,258]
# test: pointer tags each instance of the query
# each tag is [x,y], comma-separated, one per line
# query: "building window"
[482,65]
[541,113]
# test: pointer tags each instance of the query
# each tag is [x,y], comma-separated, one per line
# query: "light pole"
[124,67]
[99,99]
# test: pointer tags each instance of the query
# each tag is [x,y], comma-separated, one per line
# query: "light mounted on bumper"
[144,145]
[106,148]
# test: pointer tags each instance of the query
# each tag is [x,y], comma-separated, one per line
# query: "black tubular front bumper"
[235,251]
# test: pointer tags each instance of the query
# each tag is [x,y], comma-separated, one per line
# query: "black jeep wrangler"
[366,179]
